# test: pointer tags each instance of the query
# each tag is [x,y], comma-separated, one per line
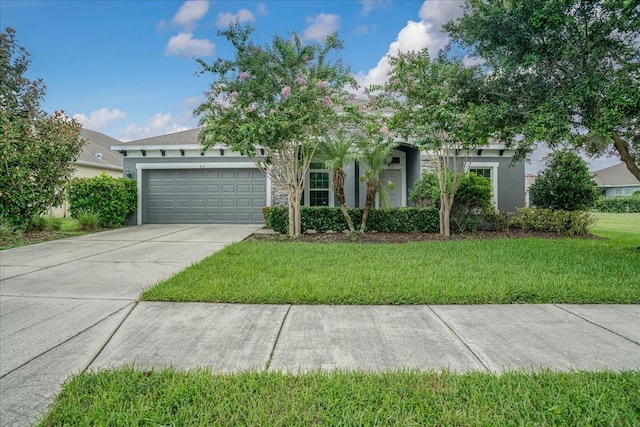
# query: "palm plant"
[375,156]
[337,152]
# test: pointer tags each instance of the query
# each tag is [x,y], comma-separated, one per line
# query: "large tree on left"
[274,103]
[37,150]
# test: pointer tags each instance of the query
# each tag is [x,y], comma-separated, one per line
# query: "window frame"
[493,167]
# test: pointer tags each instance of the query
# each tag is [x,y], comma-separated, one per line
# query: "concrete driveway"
[61,301]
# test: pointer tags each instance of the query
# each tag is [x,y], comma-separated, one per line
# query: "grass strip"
[500,271]
[131,397]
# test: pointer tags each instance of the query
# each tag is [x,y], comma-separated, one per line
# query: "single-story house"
[616,181]
[95,158]
[179,182]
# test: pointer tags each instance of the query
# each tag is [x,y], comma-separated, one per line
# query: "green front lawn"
[501,271]
[130,397]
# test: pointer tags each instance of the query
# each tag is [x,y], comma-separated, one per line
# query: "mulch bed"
[373,237]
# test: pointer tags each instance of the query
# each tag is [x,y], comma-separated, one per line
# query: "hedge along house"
[179,182]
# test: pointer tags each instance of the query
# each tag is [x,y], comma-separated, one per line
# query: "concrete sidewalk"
[491,338]
[71,305]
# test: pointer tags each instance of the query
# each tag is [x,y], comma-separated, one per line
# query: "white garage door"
[203,196]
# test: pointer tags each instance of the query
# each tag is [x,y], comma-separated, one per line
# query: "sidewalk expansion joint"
[275,342]
[109,338]
[595,324]
[455,334]
[67,340]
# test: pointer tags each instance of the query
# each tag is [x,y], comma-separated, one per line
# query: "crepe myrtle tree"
[274,103]
[438,105]
[566,72]
[37,150]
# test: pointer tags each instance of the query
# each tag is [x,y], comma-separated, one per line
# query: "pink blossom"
[302,81]
[244,75]
[272,111]
[362,108]
[327,102]
[384,130]
[352,96]
[285,92]
[323,84]
[250,109]
[233,95]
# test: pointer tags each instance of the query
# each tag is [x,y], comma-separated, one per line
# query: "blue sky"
[126,68]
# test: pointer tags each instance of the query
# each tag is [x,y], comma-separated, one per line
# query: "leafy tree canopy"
[563,71]
[37,150]
[274,103]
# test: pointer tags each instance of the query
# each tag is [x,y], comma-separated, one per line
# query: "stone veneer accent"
[278,195]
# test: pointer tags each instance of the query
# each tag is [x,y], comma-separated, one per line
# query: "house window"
[488,170]
[319,187]
[484,172]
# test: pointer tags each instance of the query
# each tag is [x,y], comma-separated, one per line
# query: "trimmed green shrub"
[555,221]
[472,202]
[566,184]
[88,220]
[624,204]
[113,199]
[322,219]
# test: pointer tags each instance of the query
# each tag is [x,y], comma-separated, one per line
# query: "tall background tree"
[564,71]
[438,105]
[37,150]
[274,103]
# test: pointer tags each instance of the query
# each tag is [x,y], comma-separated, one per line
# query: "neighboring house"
[616,181]
[95,158]
[179,182]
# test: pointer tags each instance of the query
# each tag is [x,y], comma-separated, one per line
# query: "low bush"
[625,204]
[36,224]
[54,223]
[112,198]
[88,220]
[9,232]
[322,219]
[498,220]
[556,221]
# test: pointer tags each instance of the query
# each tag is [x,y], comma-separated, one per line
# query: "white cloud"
[99,119]
[226,19]
[321,26]
[192,101]
[415,36]
[190,13]
[184,44]
[261,9]
[159,124]
[369,5]
[361,30]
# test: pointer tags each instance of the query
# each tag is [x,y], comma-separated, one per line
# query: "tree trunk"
[445,213]
[294,196]
[372,190]
[338,184]
[623,148]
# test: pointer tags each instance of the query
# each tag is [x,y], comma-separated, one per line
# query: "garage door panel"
[203,196]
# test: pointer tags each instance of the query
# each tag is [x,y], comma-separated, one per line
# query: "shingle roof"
[97,150]
[186,137]
[615,175]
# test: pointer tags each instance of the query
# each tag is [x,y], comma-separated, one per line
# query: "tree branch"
[623,149]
